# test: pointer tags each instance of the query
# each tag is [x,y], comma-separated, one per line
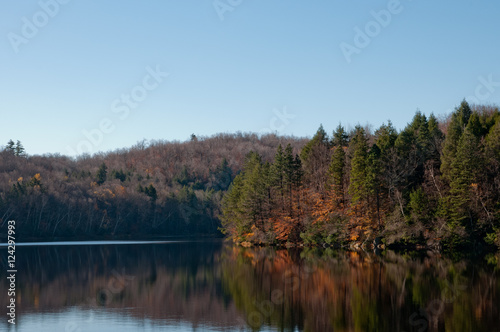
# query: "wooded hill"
[152,189]
[430,184]
[434,183]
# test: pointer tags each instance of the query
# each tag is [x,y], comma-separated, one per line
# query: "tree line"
[432,183]
[156,188]
[435,183]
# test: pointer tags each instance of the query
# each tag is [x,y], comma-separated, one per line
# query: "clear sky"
[100,67]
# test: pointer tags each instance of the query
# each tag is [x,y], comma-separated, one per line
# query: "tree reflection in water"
[315,290]
[232,288]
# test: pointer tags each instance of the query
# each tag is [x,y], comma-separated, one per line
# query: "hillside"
[433,184]
[151,189]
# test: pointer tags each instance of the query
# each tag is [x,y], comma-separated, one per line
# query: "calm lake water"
[211,286]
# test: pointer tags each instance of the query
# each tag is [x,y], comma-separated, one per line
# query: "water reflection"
[166,284]
[330,291]
[208,286]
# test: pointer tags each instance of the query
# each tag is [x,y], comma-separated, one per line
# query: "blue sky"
[265,66]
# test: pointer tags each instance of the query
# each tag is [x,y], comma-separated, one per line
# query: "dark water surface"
[211,286]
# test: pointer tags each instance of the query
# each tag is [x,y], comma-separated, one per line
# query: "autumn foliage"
[358,188]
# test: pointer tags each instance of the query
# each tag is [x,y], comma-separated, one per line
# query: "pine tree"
[254,189]
[277,176]
[459,120]
[244,205]
[357,185]
[492,188]
[233,220]
[423,138]
[298,173]
[19,150]
[11,147]
[419,206]
[340,137]
[278,169]
[183,178]
[373,182]
[101,174]
[464,169]
[336,169]
[475,125]
[437,137]
[315,157]
[320,138]
[289,176]
[151,192]
[413,145]
[385,137]
[222,176]
[493,144]
[336,173]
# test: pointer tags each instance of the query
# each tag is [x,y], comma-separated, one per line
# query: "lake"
[214,286]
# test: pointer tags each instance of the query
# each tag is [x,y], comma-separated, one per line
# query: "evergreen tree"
[357,183]
[423,138]
[464,176]
[254,189]
[118,174]
[436,136]
[289,175]
[413,149]
[11,147]
[320,138]
[244,205]
[475,125]
[19,150]
[336,170]
[277,176]
[221,178]
[493,144]
[340,137]
[298,173]
[315,157]
[234,220]
[278,169]
[492,187]
[336,173]
[102,173]
[373,182]
[459,120]
[419,206]
[385,137]
[151,192]
[183,178]
[288,165]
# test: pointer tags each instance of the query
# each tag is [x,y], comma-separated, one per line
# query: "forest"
[153,189]
[436,183]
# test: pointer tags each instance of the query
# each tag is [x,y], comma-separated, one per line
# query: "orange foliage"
[283,227]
